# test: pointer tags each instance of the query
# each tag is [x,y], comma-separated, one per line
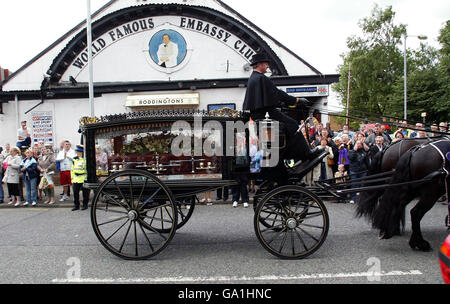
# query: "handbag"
[44,183]
[330,161]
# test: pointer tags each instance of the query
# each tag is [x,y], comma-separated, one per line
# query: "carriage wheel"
[134,214]
[265,187]
[297,219]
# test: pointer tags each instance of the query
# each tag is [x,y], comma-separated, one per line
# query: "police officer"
[263,97]
[79,176]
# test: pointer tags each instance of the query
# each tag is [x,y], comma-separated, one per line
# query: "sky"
[315,30]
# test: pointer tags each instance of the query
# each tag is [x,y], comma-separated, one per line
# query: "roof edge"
[58,41]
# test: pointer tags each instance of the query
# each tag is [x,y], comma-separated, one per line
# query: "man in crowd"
[443,127]
[370,141]
[386,136]
[65,158]
[377,147]
[317,133]
[346,130]
[404,129]
[415,133]
[359,163]
[23,136]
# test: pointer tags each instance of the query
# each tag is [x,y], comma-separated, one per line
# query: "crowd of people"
[28,172]
[351,152]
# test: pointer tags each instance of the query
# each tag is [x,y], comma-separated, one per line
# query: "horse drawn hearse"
[159,161]
[148,189]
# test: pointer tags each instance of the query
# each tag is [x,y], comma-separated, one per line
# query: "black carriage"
[146,192]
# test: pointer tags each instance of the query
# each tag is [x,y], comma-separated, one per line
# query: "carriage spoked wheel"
[291,222]
[264,188]
[134,214]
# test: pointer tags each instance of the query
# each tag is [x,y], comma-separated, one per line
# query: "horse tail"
[375,164]
[390,211]
[368,200]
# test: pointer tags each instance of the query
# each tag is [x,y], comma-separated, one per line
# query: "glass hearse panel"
[149,147]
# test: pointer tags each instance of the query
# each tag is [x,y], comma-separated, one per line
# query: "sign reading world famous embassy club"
[158,23]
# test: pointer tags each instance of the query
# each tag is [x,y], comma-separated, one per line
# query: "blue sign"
[302,90]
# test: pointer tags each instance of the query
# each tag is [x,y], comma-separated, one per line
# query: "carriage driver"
[263,97]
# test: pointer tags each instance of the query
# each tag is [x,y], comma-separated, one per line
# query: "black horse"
[424,164]
[386,161]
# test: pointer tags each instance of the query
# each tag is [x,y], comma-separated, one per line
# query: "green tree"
[442,104]
[425,87]
[376,63]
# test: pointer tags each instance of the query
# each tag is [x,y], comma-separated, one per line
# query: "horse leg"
[426,202]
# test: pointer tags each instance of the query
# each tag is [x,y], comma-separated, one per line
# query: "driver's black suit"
[263,97]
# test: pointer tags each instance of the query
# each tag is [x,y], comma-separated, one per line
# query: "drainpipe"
[16,101]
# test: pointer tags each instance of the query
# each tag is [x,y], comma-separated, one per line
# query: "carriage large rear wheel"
[134,214]
[291,222]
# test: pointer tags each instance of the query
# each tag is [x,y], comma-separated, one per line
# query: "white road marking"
[244,278]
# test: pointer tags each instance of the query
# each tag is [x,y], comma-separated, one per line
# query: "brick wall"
[4,73]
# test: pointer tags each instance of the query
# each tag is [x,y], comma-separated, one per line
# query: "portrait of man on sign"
[167,52]
[167,49]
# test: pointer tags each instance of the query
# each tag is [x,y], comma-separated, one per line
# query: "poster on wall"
[42,127]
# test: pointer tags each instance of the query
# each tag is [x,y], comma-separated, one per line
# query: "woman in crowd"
[398,136]
[206,198]
[30,177]
[47,168]
[12,175]
[324,171]
[101,159]
[37,152]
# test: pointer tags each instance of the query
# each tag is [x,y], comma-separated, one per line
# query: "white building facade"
[149,55]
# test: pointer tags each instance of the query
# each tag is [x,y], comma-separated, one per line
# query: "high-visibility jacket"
[79,171]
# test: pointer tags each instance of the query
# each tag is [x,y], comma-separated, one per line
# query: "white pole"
[91,69]
[405,79]
[347,121]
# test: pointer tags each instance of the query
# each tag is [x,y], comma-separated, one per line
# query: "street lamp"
[421,37]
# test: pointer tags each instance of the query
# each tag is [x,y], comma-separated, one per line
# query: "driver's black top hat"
[258,58]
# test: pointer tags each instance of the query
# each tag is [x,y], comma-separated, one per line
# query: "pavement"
[69,203]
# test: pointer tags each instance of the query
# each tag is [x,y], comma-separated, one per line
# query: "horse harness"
[443,147]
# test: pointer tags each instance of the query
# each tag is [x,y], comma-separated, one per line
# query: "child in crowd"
[341,174]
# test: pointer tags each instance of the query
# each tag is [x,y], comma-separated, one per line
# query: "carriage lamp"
[444,260]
